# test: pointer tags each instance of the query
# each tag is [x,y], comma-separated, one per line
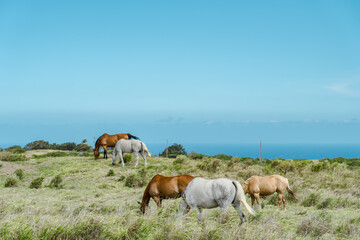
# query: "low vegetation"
[69,195]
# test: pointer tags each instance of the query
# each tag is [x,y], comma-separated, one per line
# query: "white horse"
[201,193]
[130,146]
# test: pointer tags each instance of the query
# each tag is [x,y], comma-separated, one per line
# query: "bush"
[56,182]
[223,157]
[209,165]
[127,158]
[174,150]
[12,157]
[312,200]
[83,147]
[1,165]
[194,155]
[11,182]
[110,173]
[69,146]
[40,144]
[19,173]
[52,154]
[16,149]
[37,182]
[136,180]
[9,149]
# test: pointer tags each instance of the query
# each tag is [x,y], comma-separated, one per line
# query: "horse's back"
[168,187]
[267,185]
[204,193]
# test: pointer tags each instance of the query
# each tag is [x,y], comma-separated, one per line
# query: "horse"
[130,146]
[201,193]
[263,186]
[161,187]
[107,140]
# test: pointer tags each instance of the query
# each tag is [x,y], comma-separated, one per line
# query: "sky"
[188,71]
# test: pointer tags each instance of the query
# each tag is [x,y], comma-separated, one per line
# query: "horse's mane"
[97,143]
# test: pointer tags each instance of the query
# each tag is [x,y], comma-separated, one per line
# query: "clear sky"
[187,71]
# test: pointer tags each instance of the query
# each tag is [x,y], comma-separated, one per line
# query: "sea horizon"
[268,150]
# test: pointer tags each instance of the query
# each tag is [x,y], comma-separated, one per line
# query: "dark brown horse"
[263,186]
[162,187]
[107,140]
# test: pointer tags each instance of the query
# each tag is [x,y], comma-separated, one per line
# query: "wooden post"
[260,160]
[167,143]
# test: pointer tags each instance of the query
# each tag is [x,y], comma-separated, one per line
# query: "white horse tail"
[145,149]
[240,196]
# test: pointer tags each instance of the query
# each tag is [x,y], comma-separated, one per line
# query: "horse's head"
[245,187]
[142,207]
[96,153]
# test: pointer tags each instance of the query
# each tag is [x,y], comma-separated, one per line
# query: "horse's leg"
[144,157]
[257,196]
[252,200]
[105,152]
[157,201]
[137,158]
[280,197]
[237,206]
[185,206]
[284,201]
[122,158]
[199,215]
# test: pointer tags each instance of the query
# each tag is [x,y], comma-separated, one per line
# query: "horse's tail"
[132,136]
[145,149]
[291,192]
[240,196]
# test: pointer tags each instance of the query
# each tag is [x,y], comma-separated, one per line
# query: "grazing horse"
[107,140]
[162,187]
[201,193]
[263,186]
[130,146]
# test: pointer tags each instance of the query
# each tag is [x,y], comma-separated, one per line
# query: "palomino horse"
[201,193]
[162,187]
[263,186]
[107,140]
[130,146]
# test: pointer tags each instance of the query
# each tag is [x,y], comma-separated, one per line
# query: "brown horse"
[162,187]
[263,186]
[107,140]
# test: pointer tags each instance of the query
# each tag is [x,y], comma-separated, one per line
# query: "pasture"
[84,198]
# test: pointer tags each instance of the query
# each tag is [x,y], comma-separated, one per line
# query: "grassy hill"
[83,198]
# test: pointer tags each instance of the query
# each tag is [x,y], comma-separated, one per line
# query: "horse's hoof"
[113,164]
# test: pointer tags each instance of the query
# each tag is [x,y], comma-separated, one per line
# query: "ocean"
[269,151]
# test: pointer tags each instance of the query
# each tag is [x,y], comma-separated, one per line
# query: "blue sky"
[187,71]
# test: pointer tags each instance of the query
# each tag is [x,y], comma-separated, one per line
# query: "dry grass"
[93,204]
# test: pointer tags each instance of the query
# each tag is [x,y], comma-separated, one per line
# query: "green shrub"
[1,165]
[210,165]
[320,166]
[40,144]
[19,173]
[311,200]
[56,182]
[174,150]
[223,157]
[110,173]
[37,182]
[83,147]
[11,182]
[12,157]
[69,146]
[194,155]
[17,150]
[136,179]
[127,158]
[51,154]
[180,159]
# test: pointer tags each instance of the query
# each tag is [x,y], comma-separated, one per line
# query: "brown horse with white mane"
[107,140]
[162,187]
[263,186]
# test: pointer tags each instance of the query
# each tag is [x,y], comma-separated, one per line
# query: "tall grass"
[83,198]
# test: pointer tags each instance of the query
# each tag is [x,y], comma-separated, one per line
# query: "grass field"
[83,198]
